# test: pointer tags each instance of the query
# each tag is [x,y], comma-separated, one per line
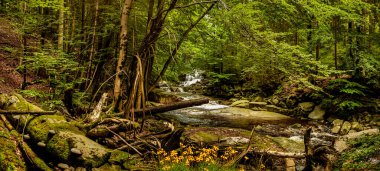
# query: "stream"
[213,115]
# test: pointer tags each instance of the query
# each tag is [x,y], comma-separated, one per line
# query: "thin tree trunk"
[93,43]
[178,45]
[61,24]
[122,51]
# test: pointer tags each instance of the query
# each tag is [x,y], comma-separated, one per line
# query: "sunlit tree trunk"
[122,51]
[61,24]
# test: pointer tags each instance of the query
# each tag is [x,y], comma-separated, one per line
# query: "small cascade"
[193,78]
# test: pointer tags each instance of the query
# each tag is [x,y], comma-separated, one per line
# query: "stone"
[341,144]
[241,103]
[41,144]
[258,99]
[356,126]
[346,127]
[257,104]
[306,106]
[337,122]
[234,140]
[318,113]
[75,151]
[335,129]
[80,169]
[296,126]
[63,166]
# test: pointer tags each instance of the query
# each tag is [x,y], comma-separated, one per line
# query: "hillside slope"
[10,53]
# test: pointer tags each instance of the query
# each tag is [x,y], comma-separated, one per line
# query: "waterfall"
[193,78]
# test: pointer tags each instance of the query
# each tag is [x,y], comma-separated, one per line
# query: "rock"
[234,140]
[276,109]
[241,103]
[345,128]
[41,144]
[80,169]
[75,151]
[296,126]
[63,166]
[337,124]
[356,126]
[257,104]
[335,129]
[341,144]
[318,113]
[290,164]
[258,99]
[306,106]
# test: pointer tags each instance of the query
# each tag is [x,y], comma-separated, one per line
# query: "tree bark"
[173,106]
[93,43]
[122,51]
[61,24]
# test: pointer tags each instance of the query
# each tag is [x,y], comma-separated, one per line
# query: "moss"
[205,137]
[9,158]
[119,157]
[39,126]
[289,145]
[59,147]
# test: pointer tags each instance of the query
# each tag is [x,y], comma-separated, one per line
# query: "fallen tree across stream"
[173,106]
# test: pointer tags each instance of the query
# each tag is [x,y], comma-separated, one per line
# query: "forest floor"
[10,48]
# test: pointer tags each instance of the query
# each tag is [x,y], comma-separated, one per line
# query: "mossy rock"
[66,137]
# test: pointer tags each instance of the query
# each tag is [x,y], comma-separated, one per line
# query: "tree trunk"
[173,106]
[122,52]
[178,45]
[93,43]
[61,24]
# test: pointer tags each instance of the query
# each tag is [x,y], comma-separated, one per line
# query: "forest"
[199,85]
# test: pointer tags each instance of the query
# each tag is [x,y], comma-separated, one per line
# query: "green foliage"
[347,97]
[362,149]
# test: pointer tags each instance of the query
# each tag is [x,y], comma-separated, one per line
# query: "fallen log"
[10,153]
[281,154]
[173,106]
[15,112]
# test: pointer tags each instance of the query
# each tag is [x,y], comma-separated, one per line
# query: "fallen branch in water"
[280,154]
[173,106]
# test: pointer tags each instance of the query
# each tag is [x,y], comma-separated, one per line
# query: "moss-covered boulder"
[57,136]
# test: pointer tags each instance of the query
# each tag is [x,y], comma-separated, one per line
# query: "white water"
[211,106]
[193,78]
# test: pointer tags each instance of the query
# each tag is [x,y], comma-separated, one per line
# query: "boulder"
[67,136]
[346,127]
[356,126]
[241,103]
[257,105]
[337,124]
[318,113]
[342,143]
[306,106]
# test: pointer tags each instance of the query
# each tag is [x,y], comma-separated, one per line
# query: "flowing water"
[214,114]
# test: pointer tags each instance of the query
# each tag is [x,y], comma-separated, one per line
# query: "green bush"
[363,149]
